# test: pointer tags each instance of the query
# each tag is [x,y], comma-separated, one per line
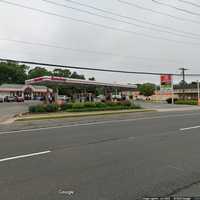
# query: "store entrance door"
[28,93]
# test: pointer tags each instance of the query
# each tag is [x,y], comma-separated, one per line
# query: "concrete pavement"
[164,107]
[127,157]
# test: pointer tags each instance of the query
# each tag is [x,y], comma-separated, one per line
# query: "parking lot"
[8,110]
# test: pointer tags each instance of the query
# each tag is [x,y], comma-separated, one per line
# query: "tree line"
[15,73]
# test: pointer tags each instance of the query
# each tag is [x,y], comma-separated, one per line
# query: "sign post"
[166,85]
[172,91]
[198,87]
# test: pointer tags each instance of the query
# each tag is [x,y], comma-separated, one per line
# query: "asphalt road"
[117,158]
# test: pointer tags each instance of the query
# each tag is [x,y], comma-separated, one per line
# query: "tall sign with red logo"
[166,83]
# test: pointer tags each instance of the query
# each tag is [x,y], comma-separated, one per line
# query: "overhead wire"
[118,15]
[121,21]
[158,12]
[190,3]
[176,8]
[85,51]
[100,25]
[99,69]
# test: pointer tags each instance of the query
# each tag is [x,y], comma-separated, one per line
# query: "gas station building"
[82,87]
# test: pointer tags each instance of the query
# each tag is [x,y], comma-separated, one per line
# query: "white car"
[101,98]
[63,98]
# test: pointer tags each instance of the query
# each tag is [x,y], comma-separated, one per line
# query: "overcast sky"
[125,51]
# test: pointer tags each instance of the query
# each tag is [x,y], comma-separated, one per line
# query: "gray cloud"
[164,56]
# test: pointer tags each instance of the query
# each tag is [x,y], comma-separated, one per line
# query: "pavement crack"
[105,140]
[178,190]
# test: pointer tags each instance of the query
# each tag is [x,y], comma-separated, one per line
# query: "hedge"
[82,107]
[104,109]
[42,108]
[187,102]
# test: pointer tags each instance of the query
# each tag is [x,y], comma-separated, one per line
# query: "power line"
[176,8]
[117,15]
[158,12]
[85,68]
[92,69]
[100,25]
[82,50]
[117,20]
[190,3]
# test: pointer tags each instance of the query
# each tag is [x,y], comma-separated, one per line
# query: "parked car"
[19,99]
[101,98]
[1,100]
[62,97]
[39,98]
[10,99]
[117,97]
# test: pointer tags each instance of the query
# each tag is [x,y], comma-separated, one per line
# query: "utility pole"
[198,87]
[183,80]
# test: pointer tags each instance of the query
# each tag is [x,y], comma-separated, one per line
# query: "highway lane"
[110,159]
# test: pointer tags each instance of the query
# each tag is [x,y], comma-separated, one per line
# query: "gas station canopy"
[69,82]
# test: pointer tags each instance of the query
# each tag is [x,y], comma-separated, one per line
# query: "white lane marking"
[24,156]
[66,192]
[96,123]
[189,128]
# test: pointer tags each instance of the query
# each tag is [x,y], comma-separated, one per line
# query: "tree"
[147,89]
[11,72]
[181,83]
[92,79]
[38,72]
[62,73]
[77,76]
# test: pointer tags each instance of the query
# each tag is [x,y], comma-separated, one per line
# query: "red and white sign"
[166,79]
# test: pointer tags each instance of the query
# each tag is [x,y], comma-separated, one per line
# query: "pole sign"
[166,83]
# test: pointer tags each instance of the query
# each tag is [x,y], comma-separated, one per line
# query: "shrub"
[89,105]
[81,107]
[124,103]
[187,102]
[100,105]
[37,109]
[32,109]
[52,108]
[77,105]
[66,106]
[112,104]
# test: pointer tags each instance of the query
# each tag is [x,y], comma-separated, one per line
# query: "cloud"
[133,52]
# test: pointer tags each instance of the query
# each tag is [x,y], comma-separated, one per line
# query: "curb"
[72,115]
